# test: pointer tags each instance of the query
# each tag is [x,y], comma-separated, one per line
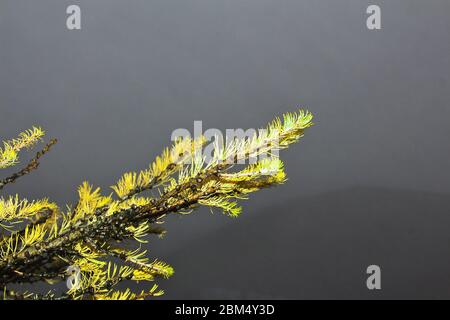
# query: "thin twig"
[32,165]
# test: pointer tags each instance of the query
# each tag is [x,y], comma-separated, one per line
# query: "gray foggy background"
[369,184]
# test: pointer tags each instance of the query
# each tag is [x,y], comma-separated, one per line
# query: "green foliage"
[9,154]
[39,240]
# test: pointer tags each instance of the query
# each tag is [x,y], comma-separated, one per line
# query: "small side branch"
[32,165]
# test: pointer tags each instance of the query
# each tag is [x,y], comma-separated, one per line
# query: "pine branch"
[91,234]
[32,165]
[9,154]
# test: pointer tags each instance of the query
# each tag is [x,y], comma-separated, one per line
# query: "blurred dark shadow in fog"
[320,246]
